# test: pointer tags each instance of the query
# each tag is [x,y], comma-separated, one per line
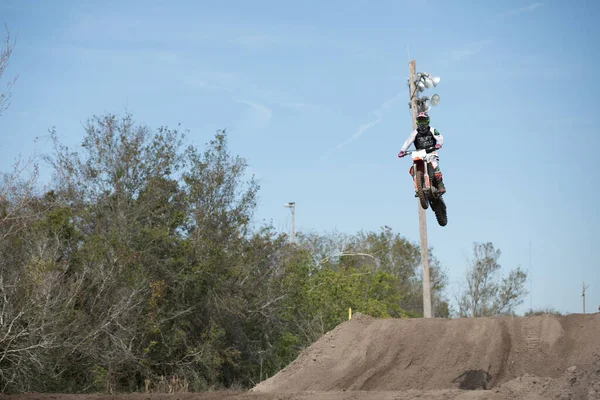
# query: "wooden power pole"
[427,311]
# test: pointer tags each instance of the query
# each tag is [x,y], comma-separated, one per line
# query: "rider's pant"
[433,159]
[435,163]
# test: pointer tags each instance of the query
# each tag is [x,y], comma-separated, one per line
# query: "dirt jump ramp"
[368,354]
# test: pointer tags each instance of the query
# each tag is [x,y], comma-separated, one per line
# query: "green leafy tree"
[140,265]
[386,252]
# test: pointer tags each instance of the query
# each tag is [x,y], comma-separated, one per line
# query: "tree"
[140,265]
[5,54]
[486,294]
[542,311]
[385,252]
[125,208]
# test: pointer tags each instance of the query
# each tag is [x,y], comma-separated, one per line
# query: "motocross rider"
[425,137]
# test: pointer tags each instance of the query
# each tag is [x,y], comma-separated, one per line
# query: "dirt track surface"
[543,357]
[503,357]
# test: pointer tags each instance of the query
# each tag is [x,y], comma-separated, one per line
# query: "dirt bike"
[427,193]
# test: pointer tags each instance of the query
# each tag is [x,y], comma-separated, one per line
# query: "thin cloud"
[299,39]
[135,29]
[259,116]
[379,114]
[462,54]
[10,6]
[280,99]
[225,81]
[186,72]
[235,86]
[521,10]
[297,106]
[469,51]
[255,42]
[203,85]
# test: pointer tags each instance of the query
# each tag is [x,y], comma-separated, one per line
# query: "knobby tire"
[439,208]
[421,192]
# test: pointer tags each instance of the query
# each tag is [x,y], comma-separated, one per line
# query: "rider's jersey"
[423,140]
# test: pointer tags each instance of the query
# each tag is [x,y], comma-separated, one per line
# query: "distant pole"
[293,222]
[422,216]
[583,295]
[292,206]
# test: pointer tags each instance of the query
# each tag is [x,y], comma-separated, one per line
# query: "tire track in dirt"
[531,333]
[505,349]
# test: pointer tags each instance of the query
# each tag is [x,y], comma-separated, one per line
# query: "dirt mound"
[574,383]
[544,357]
[505,354]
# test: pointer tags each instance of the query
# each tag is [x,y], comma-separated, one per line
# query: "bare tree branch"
[5,54]
[485,294]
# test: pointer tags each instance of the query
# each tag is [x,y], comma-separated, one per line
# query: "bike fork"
[414,175]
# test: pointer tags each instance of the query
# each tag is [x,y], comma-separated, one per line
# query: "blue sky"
[314,97]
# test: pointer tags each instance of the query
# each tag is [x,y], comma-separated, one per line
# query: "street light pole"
[388,232]
[422,216]
[292,206]
[583,296]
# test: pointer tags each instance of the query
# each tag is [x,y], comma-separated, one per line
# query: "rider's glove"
[437,146]
[401,154]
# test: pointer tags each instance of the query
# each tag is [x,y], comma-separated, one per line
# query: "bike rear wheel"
[439,208]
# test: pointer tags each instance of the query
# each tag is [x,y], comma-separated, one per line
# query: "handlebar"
[427,150]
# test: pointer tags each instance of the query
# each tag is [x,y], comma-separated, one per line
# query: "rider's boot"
[441,186]
[440,181]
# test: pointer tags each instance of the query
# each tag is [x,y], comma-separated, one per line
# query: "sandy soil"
[544,357]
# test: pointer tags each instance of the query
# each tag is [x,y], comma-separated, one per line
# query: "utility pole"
[292,206]
[530,281]
[422,216]
[583,295]
[388,232]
